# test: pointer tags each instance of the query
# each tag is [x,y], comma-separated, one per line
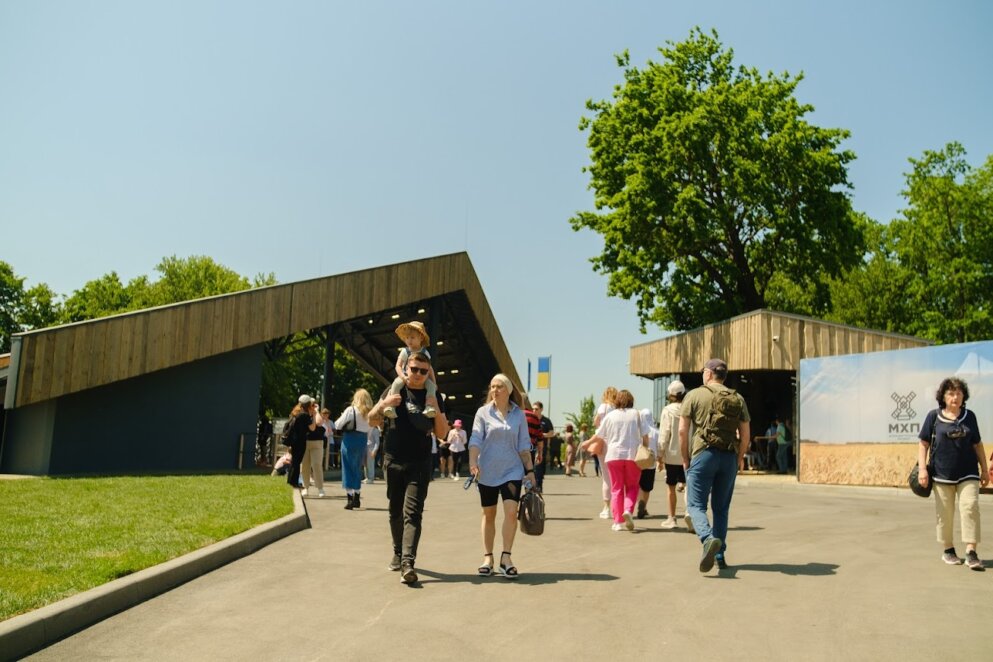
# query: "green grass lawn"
[63,536]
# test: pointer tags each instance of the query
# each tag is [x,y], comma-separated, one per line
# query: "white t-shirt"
[361,422]
[602,411]
[456,440]
[669,434]
[622,429]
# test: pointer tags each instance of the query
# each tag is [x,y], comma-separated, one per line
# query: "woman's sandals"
[486,569]
[508,571]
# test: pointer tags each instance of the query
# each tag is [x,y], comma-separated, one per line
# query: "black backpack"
[723,418]
[286,436]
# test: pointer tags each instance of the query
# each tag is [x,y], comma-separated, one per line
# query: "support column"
[328,382]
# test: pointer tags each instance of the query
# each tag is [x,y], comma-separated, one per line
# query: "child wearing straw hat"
[416,339]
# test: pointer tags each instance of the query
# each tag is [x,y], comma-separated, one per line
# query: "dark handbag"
[912,479]
[349,427]
[915,485]
[531,513]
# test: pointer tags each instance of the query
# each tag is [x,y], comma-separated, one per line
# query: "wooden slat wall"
[746,343]
[74,357]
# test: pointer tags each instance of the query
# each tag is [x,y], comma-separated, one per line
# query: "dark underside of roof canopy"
[461,355]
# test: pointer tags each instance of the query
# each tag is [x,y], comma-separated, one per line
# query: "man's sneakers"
[642,510]
[972,560]
[711,547]
[689,523]
[407,573]
[950,557]
[721,563]
[394,563]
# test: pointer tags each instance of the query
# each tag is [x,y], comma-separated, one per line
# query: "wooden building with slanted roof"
[176,388]
[763,349]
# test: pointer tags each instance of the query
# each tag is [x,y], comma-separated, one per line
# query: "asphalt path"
[817,573]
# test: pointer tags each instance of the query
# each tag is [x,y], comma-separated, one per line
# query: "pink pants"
[624,477]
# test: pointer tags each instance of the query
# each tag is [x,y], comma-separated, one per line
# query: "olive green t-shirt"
[696,406]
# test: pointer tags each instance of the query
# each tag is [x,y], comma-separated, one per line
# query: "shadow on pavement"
[524,578]
[805,569]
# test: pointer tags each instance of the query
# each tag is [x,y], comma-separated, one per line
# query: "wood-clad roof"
[57,361]
[760,340]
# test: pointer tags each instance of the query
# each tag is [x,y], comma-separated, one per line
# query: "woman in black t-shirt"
[957,467]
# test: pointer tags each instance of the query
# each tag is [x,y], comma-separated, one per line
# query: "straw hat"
[413,327]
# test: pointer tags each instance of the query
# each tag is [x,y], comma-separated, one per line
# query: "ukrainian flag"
[544,372]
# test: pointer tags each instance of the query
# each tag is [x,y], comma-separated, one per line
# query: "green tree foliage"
[11,301]
[715,195]
[587,408]
[194,277]
[20,309]
[931,271]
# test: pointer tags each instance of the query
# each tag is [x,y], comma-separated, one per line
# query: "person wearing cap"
[301,424]
[712,462]
[407,461]
[415,338]
[670,457]
[456,447]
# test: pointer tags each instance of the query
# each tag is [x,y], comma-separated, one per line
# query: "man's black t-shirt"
[407,439]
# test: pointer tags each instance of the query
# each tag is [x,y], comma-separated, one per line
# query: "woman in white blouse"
[355,430]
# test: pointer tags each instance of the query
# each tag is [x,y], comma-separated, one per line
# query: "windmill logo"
[903,411]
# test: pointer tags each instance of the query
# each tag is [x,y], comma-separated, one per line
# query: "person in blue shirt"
[500,459]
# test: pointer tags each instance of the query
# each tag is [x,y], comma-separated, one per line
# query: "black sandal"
[486,569]
[508,571]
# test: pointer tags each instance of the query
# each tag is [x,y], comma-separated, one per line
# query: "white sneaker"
[628,522]
[616,527]
[457,477]
[605,513]
[303,492]
[321,494]
[669,523]
[689,524]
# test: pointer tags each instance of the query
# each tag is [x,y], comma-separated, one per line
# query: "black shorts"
[444,452]
[674,474]
[510,491]
[647,480]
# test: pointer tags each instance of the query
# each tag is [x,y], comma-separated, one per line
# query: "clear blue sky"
[390,131]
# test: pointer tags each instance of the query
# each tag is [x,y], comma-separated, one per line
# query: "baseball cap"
[716,366]
[305,399]
[676,387]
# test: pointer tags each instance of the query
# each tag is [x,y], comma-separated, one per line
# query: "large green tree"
[714,194]
[930,272]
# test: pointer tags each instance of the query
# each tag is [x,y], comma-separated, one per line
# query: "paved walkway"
[818,573]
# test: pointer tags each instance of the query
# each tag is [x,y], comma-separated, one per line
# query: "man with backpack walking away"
[713,457]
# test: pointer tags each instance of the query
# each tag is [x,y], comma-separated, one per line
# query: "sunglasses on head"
[418,371]
[956,432]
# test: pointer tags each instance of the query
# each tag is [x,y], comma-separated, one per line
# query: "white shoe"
[321,494]
[457,477]
[689,524]
[616,527]
[669,523]
[303,492]
[605,513]
[628,522]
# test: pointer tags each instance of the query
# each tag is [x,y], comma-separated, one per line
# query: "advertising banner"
[880,399]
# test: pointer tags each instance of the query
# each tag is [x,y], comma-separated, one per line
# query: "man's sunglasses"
[418,371]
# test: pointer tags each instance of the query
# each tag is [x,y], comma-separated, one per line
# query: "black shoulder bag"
[912,480]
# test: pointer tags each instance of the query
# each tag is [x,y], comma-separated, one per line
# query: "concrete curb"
[27,633]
